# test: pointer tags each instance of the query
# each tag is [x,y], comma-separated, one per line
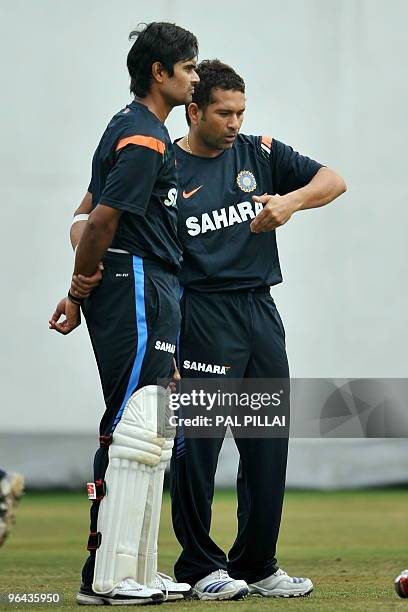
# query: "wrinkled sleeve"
[290,170]
[131,180]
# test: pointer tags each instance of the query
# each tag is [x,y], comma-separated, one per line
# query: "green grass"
[351,544]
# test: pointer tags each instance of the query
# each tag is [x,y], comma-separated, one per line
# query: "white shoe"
[280,584]
[11,489]
[172,590]
[219,585]
[127,593]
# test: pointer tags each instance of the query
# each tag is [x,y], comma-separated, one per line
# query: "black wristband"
[75,299]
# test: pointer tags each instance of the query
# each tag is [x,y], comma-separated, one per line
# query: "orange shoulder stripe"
[267,141]
[143,141]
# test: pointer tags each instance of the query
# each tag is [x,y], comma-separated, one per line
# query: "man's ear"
[158,72]
[193,113]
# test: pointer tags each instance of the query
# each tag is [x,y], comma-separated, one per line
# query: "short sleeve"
[131,180]
[91,186]
[290,170]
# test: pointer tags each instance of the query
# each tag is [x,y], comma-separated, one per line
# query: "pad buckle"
[105,441]
[94,540]
[96,490]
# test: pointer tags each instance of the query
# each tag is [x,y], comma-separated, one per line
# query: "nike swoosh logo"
[188,194]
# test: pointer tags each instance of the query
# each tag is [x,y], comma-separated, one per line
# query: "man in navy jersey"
[133,317]
[230,260]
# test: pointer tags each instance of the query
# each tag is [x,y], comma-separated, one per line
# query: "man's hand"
[277,211]
[83,285]
[324,187]
[176,373]
[72,314]
[176,378]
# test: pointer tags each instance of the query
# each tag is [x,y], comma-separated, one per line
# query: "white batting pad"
[147,557]
[134,455]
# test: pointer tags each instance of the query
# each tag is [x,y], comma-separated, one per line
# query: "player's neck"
[193,144]
[156,105]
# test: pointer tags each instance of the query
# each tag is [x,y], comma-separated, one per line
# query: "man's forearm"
[77,228]
[96,238]
[324,187]
[93,244]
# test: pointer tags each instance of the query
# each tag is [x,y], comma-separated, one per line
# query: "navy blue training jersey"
[133,170]
[215,210]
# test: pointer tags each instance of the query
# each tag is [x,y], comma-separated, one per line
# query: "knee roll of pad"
[135,456]
[137,437]
[166,452]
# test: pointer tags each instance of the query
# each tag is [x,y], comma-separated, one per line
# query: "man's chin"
[181,101]
[188,99]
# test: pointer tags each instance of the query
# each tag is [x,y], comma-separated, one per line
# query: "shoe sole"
[277,593]
[176,596]
[231,595]
[100,600]
[16,491]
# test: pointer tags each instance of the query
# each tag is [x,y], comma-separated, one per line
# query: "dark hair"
[161,42]
[213,74]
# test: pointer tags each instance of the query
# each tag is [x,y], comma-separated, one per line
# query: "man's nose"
[234,122]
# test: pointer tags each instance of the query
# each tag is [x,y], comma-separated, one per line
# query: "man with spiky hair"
[230,261]
[131,316]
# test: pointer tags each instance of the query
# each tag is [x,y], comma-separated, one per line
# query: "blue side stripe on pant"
[138,272]
[178,335]
[179,440]
[180,445]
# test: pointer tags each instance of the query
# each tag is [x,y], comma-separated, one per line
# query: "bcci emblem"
[246,181]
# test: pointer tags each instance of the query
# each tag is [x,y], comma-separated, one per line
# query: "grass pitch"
[352,545]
